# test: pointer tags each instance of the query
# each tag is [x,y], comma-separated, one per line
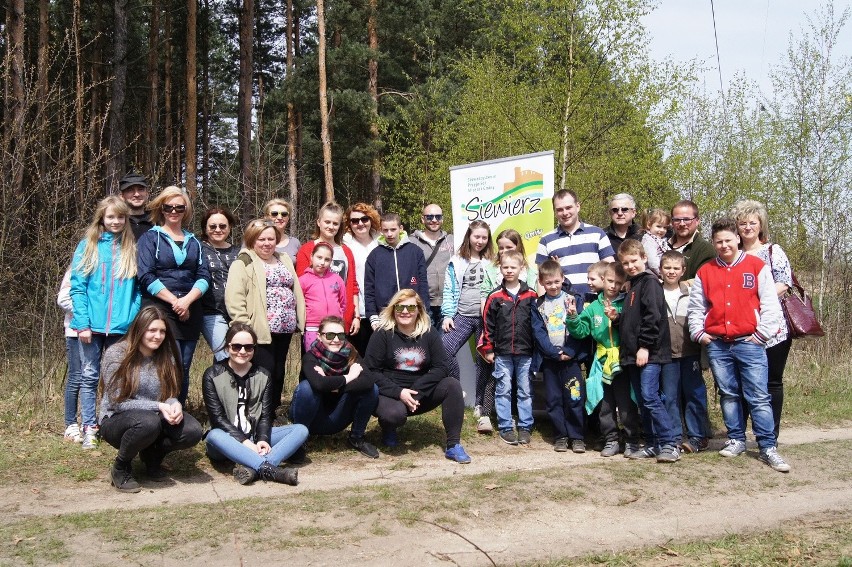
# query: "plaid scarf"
[332,363]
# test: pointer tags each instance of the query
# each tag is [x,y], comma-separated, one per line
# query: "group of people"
[382,316]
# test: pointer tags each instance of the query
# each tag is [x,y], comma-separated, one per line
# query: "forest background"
[373,100]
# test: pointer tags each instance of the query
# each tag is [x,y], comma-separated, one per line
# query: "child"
[606,371]
[460,306]
[645,347]
[596,275]
[72,350]
[656,223]
[508,239]
[325,291]
[105,298]
[508,344]
[682,382]
[734,309]
[558,355]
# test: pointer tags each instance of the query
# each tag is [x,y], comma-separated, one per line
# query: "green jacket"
[593,321]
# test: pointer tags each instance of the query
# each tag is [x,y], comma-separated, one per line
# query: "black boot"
[244,475]
[122,479]
[287,475]
[363,447]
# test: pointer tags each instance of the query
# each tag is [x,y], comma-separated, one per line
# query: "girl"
[461,303]
[509,239]
[656,223]
[140,413]
[105,298]
[219,254]
[238,396]
[72,351]
[324,292]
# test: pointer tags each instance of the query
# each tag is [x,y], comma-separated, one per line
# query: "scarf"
[332,363]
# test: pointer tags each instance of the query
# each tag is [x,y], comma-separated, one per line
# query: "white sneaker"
[733,448]
[483,425]
[771,457]
[72,434]
[477,412]
[90,437]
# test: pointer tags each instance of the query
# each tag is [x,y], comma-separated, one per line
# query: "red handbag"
[798,309]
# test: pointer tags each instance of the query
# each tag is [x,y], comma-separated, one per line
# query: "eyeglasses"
[262,223]
[217,226]
[622,210]
[748,223]
[329,336]
[683,220]
[433,217]
[236,347]
[359,220]
[409,308]
[276,214]
[174,208]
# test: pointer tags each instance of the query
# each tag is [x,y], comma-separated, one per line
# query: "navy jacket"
[158,265]
[577,349]
[389,270]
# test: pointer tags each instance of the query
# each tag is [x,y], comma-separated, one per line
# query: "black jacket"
[399,361]
[219,388]
[643,322]
[508,322]
[329,383]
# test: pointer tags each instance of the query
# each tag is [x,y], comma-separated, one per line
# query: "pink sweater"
[324,296]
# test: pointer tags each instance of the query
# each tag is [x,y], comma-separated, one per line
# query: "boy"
[733,309]
[645,347]
[393,265]
[614,389]
[507,342]
[683,384]
[557,355]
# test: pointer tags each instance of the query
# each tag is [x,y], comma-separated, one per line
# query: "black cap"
[132,179]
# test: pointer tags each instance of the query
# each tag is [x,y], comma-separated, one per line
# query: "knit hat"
[130,180]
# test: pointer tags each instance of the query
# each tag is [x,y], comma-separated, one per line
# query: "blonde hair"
[255,228]
[749,207]
[167,194]
[335,209]
[659,216]
[280,203]
[387,321]
[125,263]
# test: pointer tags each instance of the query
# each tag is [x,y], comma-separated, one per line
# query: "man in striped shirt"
[574,244]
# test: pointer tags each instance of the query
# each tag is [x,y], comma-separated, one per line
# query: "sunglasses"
[401,308]
[217,226]
[433,217]
[236,347]
[282,214]
[622,210]
[329,336]
[359,220]
[174,208]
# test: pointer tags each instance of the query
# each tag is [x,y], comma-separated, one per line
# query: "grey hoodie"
[436,269]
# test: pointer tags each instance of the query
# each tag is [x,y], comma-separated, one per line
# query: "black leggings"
[273,357]
[147,434]
[776,358]
[392,413]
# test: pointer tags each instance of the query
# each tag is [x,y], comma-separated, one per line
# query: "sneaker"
[72,434]
[733,448]
[694,445]
[244,475]
[360,445]
[669,454]
[524,436]
[630,448]
[611,449]
[646,453]
[560,445]
[270,472]
[156,472]
[390,438]
[123,481]
[477,412]
[771,457]
[90,437]
[483,425]
[457,453]
[509,436]
[578,445]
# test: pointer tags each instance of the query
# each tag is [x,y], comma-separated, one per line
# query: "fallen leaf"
[35,490]
[492,486]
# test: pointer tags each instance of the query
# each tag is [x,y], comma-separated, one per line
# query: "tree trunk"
[152,124]
[14,142]
[116,162]
[244,104]
[373,88]
[323,102]
[79,132]
[191,124]
[563,172]
[292,178]
[41,83]
[169,172]
[205,97]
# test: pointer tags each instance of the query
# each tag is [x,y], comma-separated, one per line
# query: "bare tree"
[245,104]
[323,101]
[152,123]
[292,131]
[15,98]
[191,121]
[116,163]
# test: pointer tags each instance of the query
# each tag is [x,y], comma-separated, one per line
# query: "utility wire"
[718,60]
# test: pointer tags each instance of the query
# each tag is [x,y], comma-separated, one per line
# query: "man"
[622,210]
[574,244]
[688,240]
[393,265]
[134,192]
[438,248]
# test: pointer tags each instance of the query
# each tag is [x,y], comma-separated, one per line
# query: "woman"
[753,229]
[140,412]
[334,389]
[219,254]
[280,212]
[328,230]
[105,298]
[263,291]
[411,369]
[362,234]
[173,274]
[238,396]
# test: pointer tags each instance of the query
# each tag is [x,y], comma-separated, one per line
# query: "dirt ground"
[592,505]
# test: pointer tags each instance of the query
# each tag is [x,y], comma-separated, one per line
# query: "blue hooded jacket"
[163,264]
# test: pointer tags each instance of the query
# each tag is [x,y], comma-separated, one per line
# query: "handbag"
[798,310]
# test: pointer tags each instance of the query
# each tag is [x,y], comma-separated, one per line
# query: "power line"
[718,59]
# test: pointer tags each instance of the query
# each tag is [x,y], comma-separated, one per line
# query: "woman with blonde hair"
[172,272]
[280,212]
[362,233]
[410,365]
[105,298]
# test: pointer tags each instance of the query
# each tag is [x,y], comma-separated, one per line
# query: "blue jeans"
[214,330]
[90,374]
[507,366]
[683,386]
[187,351]
[73,380]
[308,408]
[284,441]
[655,418]
[741,367]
